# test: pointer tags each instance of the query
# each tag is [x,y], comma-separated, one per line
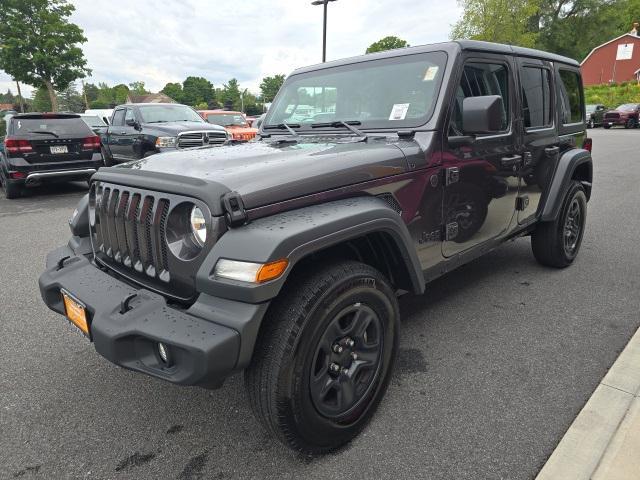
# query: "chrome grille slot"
[199,139]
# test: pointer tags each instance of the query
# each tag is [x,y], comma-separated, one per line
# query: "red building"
[616,61]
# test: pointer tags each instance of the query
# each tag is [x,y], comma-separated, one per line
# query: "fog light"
[163,351]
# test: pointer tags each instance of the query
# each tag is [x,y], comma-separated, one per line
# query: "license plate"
[59,149]
[76,312]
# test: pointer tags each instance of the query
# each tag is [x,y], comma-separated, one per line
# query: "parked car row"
[626,115]
[49,147]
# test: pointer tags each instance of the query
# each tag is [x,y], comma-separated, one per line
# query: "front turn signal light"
[249,271]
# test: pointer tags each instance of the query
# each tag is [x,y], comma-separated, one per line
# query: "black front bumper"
[202,351]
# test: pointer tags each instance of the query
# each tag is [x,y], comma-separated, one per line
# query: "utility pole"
[84,95]
[20,97]
[324,26]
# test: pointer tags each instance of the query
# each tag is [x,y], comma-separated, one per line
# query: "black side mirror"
[132,123]
[482,114]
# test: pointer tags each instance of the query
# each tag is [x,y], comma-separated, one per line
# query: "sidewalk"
[603,442]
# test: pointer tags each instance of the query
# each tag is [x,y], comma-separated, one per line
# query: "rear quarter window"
[571,100]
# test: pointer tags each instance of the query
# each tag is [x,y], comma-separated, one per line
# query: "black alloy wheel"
[346,361]
[573,228]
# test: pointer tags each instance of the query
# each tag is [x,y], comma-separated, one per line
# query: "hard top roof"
[450,48]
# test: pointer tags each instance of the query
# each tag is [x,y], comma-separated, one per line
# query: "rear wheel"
[324,356]
[606,126]
[556,244]
[11,190]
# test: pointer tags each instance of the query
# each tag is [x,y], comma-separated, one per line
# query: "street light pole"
[324,3]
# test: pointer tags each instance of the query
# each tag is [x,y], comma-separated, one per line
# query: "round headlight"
[198,226]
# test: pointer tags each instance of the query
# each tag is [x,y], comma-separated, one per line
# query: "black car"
[47,147]
[595,115]
[284,257]
[142,129]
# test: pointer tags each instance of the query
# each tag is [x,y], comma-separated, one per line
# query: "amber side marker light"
[272,270]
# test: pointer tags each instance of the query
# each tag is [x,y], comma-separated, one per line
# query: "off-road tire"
[106,158]
[631,123]
[606,126]
[591,124]
[280,377]
[549,240]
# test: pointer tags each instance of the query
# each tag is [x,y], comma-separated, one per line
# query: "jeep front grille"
[130,229]
[199,139]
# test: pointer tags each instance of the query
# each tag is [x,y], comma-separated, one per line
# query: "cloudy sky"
[160,41]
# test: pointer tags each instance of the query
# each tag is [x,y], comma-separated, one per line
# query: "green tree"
[40,47]
[91,91]
[70,100]
[269,87]
[40,100]
[550,25]
[197,90]
[120,93]
[138,88]
[230,94]
[387,43]
[173,90]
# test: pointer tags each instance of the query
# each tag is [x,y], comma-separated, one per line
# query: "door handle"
[514,161]
[123,133]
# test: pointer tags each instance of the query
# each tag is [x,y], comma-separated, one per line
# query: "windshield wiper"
[46,132]
[349,124]
[289,126]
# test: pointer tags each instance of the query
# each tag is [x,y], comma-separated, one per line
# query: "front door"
[481,178]
[122,138]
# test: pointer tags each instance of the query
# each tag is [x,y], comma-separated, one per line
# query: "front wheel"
[631,123]
[556,243]
[591,124]
[324,356]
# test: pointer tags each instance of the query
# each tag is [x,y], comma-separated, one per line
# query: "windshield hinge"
[235,214]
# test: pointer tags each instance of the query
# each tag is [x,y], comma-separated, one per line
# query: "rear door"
[539,132]
[481,179]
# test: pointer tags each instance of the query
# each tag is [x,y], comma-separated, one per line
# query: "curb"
[603,442]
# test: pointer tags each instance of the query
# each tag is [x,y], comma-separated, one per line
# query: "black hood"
[174,128]
[269,172]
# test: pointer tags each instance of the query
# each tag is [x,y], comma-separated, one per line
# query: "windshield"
[93,121]
[168,113]
[387,93]
[627,107]
[57,126]
[591,108]
[227,119]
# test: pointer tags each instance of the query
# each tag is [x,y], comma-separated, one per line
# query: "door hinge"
[522,202]
[451,175]
[233,206]
[450,231]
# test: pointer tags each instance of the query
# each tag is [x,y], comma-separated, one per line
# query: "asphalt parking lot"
[496,361]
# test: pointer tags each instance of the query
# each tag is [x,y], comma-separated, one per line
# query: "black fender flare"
[562,176]
[298,233]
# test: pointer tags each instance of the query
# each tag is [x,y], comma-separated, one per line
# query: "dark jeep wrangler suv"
[284,257]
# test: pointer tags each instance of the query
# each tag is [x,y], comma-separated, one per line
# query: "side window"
[118,118]
[479,79]
[536,97]
[570,97]
[129,115]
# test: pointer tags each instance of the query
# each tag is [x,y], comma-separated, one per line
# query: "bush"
[613,95]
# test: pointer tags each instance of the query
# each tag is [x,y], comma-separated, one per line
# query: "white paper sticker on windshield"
[430,74]
[399,111]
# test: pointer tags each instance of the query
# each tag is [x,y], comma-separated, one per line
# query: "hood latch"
[233,205]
